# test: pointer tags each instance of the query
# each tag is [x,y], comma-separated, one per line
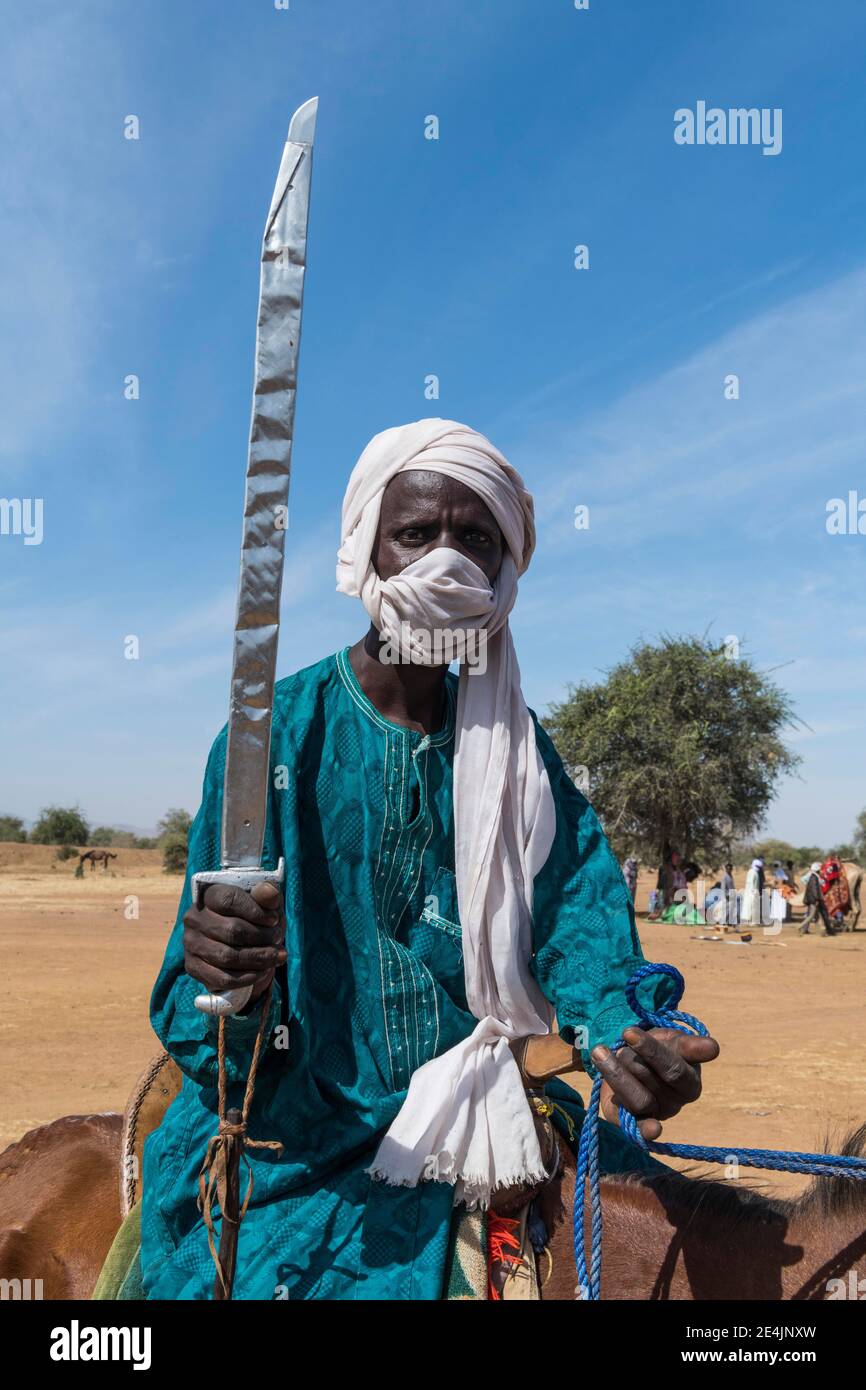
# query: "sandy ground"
[77,973]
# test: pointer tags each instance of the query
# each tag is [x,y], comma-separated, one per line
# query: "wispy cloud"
[676,454]
[60,212]
[710,512]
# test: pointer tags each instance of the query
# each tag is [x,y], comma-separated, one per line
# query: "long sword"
[278,338]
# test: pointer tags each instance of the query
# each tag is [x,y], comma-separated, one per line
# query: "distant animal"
[854,874]
[96,856]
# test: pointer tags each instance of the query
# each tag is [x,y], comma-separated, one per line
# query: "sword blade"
[278,338]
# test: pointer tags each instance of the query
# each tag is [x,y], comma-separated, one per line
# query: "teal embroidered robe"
[361,810]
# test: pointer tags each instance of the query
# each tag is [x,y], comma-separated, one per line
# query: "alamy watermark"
[437,646]
[720,908]
[738,125]
[77,1343]
[848,1287]
[846,517]
[22,516]
[21,1290]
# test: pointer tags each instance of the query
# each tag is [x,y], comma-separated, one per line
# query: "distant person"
[835,888]
[793,887]
[629,870]
[663,892]
[716,905]
[753,894]
[678,873]
[671,880]
[778,902]
[813,899]
[732,907]
[783,892]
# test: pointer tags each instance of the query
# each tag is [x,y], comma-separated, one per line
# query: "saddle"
[539,1060]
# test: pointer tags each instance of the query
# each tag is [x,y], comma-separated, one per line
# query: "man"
[813,901]
[630,872]
[447,888]
[730,915]
[671,880]
[790,890]
[752,907]
[779,909]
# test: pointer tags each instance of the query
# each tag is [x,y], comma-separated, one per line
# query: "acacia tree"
[174,822]
[860,838]
[60,825]
[682,747]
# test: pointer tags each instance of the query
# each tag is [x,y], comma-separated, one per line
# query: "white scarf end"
[439,1167]
[474,1190]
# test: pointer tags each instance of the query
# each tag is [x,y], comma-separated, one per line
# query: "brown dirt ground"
[77,975]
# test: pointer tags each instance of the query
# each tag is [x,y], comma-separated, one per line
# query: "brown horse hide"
[674,1237]
[668,1237]
[59,1204]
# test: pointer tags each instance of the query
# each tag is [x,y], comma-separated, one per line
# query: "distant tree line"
[800,855]
[67,827]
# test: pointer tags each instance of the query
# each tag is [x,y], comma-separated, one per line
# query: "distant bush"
[174,854]
[107,837]
[60,825]
[173,832]
[67,852]
[12,830]
[771,850]
[174,822]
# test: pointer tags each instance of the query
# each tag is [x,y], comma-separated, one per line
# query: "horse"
[59,1208]
[674,1236]
[666,1236]
[854,874]
[96,856]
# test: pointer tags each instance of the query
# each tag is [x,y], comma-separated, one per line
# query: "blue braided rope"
[823,1165]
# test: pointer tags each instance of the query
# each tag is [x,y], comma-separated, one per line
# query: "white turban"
[466,1119]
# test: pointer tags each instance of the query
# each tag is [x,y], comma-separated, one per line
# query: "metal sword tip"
[302,127]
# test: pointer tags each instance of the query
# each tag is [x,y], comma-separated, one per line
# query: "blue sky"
[453,257]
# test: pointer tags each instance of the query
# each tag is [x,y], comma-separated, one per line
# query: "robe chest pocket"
[436,936]
[440,906]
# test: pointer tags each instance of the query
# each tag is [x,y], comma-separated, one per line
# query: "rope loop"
[670,1016]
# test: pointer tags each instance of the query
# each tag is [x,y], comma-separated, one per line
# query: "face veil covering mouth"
[465,1118]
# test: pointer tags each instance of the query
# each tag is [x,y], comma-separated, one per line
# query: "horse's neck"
[663,1243]
[833,1264]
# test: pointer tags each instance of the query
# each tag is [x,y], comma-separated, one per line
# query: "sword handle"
[231,1001]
